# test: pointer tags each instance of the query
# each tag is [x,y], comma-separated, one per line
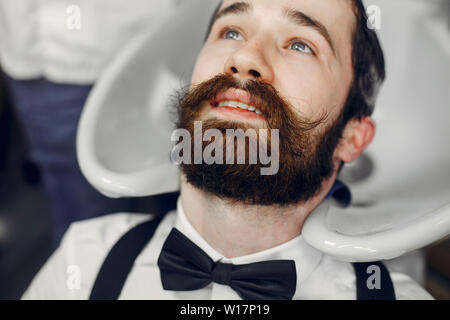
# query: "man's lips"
[235,113]
[238,102]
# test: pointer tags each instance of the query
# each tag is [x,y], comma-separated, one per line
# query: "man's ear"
[356,137]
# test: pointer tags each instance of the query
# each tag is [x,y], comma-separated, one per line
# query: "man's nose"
[249,62]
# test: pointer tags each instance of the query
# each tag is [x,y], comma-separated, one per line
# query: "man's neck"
[235,230]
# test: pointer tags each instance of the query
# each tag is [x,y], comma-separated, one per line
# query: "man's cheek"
[304,98]
[317,96]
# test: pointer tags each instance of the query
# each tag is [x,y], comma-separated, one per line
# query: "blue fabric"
[49,113]
[341,193]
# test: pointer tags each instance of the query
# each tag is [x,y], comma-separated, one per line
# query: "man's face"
[312,70]
[292,60]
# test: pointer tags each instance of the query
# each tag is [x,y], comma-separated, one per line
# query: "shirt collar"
[306,257]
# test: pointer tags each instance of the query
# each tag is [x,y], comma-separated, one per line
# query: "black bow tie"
[184,267]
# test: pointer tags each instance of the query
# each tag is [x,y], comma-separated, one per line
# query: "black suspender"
[385,290]
[119,262]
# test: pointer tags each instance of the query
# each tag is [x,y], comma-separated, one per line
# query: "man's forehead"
[335,15]
[333,19]
[321,7]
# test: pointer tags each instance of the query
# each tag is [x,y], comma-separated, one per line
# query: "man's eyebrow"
[235,8]
[293,15]
[304,20]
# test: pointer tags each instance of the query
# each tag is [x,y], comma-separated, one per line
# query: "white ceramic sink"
[123,141]
[401,186]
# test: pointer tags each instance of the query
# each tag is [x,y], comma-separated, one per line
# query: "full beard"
[305,151]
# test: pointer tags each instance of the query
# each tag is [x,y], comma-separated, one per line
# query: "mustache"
[278,112]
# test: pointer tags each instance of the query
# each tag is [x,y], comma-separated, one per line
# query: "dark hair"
[368,66]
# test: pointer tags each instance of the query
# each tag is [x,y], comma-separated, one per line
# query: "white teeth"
[237,104]
[243,106]
[234,104]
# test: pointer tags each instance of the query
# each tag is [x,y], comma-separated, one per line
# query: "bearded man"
[308,73]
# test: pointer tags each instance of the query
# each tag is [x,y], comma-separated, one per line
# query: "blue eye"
[232,34]
[302,47]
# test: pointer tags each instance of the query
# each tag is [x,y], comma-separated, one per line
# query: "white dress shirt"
[71,271]
[38,38]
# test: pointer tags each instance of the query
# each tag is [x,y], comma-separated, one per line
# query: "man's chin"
[245,185]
